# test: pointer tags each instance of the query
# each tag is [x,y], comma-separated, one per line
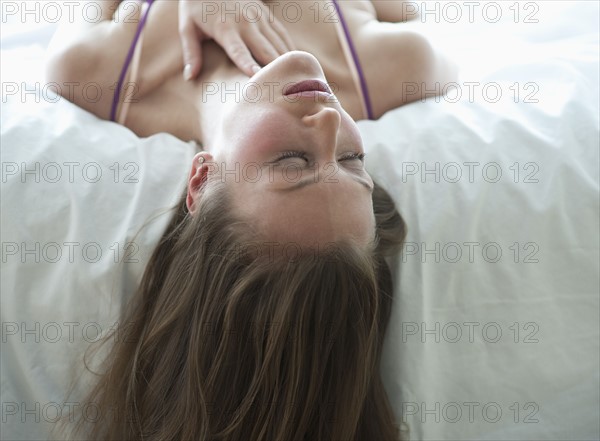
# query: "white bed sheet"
[542,213]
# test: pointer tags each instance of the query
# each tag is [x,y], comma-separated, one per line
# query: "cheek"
[258,134]
[354,132]
[359,217]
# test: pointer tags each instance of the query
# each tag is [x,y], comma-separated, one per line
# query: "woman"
[262,312]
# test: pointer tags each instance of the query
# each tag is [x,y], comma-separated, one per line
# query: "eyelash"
[302,155]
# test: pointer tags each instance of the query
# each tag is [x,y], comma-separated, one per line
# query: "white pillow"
[76,191]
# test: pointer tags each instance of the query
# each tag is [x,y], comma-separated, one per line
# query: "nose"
[326,124]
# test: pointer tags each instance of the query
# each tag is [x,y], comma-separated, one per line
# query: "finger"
[237,51]
[276,41]
[283,34]
[192,50]
[262,49]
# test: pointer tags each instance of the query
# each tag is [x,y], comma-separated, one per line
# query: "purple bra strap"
[363,82]
[117,94]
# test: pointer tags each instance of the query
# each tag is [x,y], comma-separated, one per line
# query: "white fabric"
[542,294]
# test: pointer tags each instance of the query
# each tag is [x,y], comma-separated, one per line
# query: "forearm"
[107,9]
[395,10]
[88,13]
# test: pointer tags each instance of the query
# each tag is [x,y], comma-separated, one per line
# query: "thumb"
[192,50]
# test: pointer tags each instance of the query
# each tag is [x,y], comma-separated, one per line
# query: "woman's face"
[293,163]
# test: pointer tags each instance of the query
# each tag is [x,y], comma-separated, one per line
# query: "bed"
[494,332]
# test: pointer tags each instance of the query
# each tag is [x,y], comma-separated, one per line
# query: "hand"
[245,29]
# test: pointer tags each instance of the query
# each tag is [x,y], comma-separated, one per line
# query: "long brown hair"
[226,341]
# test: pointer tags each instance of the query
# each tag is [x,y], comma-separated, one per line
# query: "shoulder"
[93,55]
[84,56]
[402,65]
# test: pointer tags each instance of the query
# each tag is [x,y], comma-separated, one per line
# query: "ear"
[197,179]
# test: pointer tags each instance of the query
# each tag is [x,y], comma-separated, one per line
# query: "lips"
[307,86]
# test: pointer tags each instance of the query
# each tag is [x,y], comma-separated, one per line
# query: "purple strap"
[363,82]
[117,94]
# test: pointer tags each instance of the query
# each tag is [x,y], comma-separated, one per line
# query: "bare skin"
[279,141]
[394,60]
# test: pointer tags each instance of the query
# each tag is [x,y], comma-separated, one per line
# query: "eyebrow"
[310,180]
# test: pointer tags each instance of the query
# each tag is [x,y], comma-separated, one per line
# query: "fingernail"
[255,68]
[187,72]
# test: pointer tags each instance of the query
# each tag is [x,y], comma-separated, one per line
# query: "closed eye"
[292,154]
[351,156]
[302,155]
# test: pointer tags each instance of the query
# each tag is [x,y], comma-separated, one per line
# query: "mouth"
[307,86]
